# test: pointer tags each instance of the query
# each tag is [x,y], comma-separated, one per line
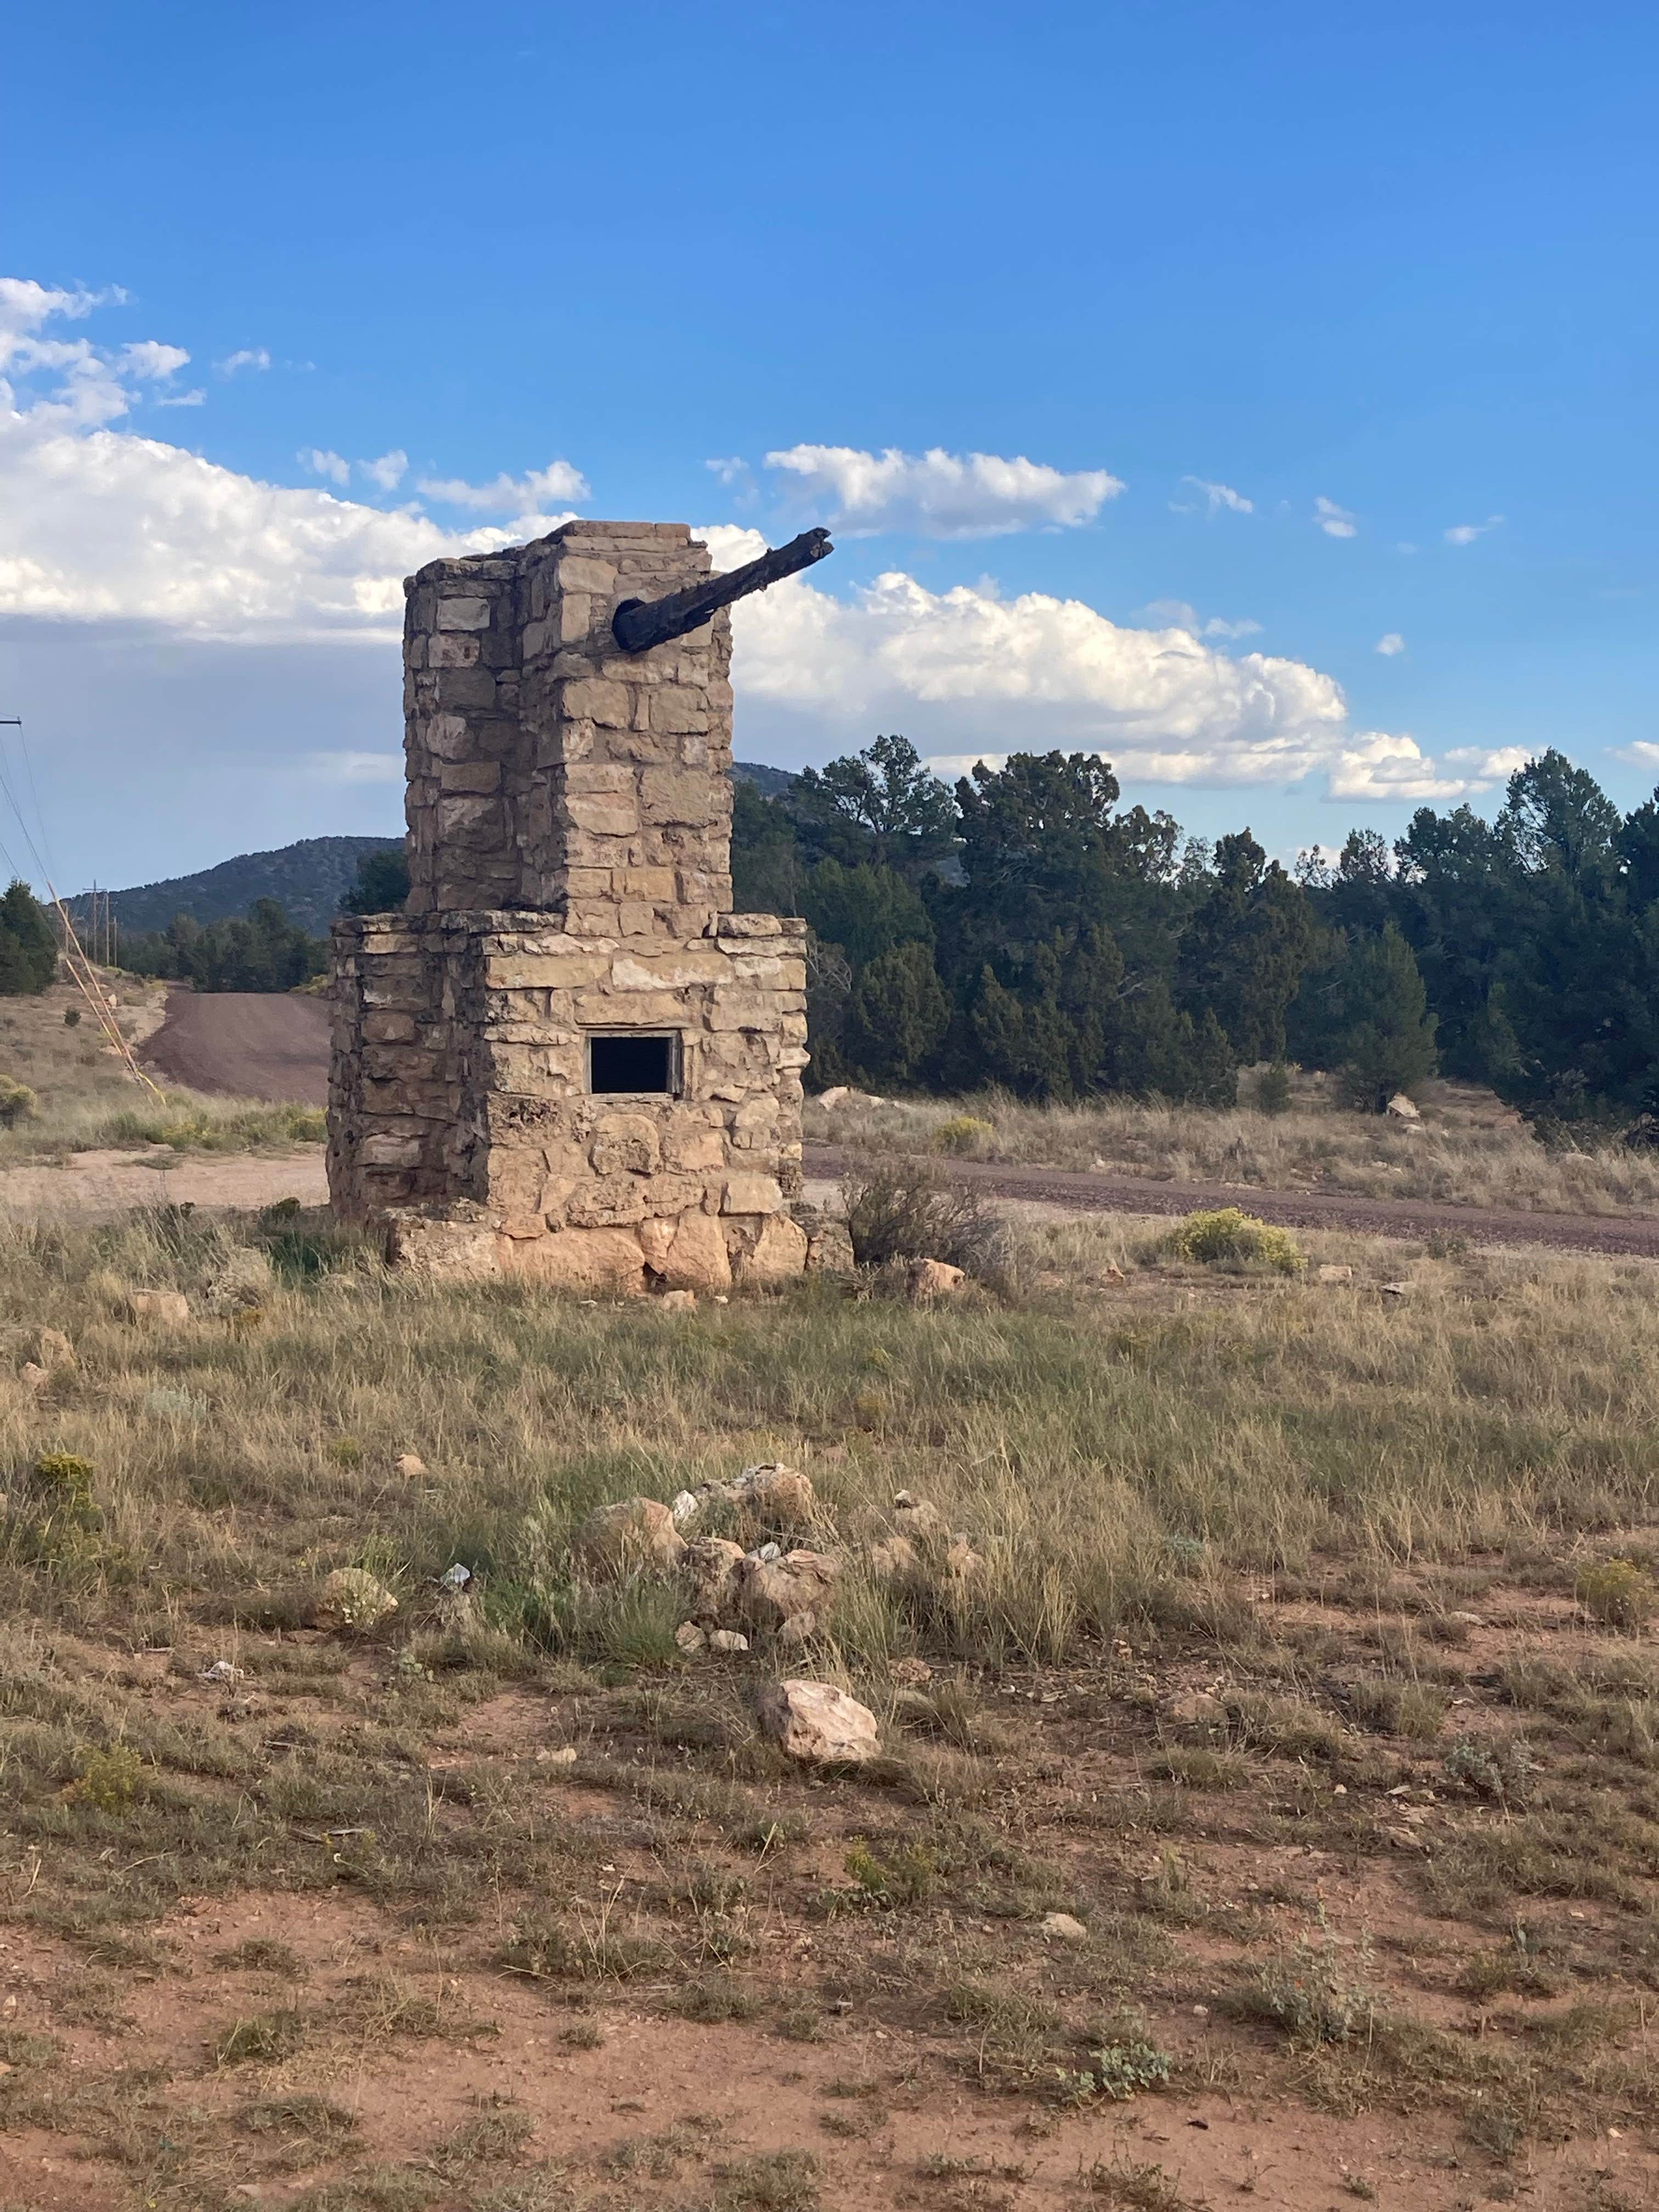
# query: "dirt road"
[1637,1236]
[246,1044]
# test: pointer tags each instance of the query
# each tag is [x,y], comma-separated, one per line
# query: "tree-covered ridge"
[1026,929]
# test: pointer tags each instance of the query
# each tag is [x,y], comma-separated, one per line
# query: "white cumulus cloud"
[518,496]
[1388,644]
[1216,496]
[1465,534]
[968,674]
[99,523]
[941,494]
[1335,521]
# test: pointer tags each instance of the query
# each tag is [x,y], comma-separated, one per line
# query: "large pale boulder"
[460,1248]
[159,1309]
[598,1262]
[780,1255]
[697,1258]
[929,1279]
[818,1725]
[770,1594]
[635,1535]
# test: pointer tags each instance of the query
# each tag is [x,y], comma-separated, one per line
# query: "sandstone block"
[780,1255]
[597,1262]
[625,1142]
[818,1725]
[593,700]
[634,1535]
[463,614]
[697,1258]
[754,1194]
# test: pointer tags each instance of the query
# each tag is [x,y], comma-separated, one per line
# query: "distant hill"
[307,877]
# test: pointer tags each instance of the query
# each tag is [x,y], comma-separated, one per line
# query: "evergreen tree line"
[28,943]
[261,950]
[1025,929]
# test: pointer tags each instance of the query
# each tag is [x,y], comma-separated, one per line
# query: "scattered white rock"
[1062,1928]
[352,1598]
[767,1551]
[911,1674]
[684,1508]
[727,1639]
[831,1099]
[456,1577]
[670,1302]
[408,1466]
[633,1534]
[691,1639]
[222,1672]
[819,1724]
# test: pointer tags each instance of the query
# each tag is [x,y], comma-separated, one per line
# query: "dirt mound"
[245,1044]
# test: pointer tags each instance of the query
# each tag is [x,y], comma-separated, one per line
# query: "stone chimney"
[567,1057]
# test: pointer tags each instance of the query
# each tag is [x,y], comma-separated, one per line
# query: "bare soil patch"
[245,1044]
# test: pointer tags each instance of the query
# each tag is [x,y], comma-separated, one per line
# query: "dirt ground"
[247,1044]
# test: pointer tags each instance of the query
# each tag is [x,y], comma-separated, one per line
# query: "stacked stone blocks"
[570,811]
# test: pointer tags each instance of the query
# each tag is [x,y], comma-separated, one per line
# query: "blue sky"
[1197,269]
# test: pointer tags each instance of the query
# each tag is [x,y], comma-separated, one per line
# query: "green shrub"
[1272,1090]
[905,1210]
[64,1484]
[71,1018]
[108,1780]
[1616,1592]
[17,1103]
[1500,1768]
[1317,1992]
[1228,1238]
[963,1132]
[1120,2071]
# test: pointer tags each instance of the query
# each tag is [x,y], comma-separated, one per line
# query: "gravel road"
[1637,1234]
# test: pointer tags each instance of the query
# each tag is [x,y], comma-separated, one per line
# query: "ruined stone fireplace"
[568,1058]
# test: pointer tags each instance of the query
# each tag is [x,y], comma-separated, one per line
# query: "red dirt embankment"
[245,1044]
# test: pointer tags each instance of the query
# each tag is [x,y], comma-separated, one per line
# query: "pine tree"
[896,1015]
[28,948]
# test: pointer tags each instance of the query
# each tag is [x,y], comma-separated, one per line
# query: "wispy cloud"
[1465,534]
[388,472]
[356,767]
[1335,521]
[249,357]
[1183,616]
[941,494]
[505,494]
[1388,644]
[1641,754]
[1215,495]
[323,463]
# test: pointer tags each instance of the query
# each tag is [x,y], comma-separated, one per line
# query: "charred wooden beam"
[638,624]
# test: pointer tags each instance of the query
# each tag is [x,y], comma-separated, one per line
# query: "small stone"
[408,1466]
[352,1598]
[1396,1290]
[818,1725]
[165,1309]
[706,1569]
[691,1639]
[774,1497]
[684,1508]
[221,1670]
[767,1551]
[928,1279]
[918,1521]
[676,1302]
[1196,1709]
[1062,1928]
[911,1674]
[34,1379]
[1333,1272]
[727,1639]
[456,1577]
[564,1756]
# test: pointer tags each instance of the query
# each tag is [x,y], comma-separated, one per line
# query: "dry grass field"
[1306,1667]
[1467,1149]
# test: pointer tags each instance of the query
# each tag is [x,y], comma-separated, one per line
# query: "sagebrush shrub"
[1228,1238]
[904,1209]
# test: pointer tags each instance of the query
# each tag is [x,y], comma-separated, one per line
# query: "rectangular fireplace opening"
[632,1065]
